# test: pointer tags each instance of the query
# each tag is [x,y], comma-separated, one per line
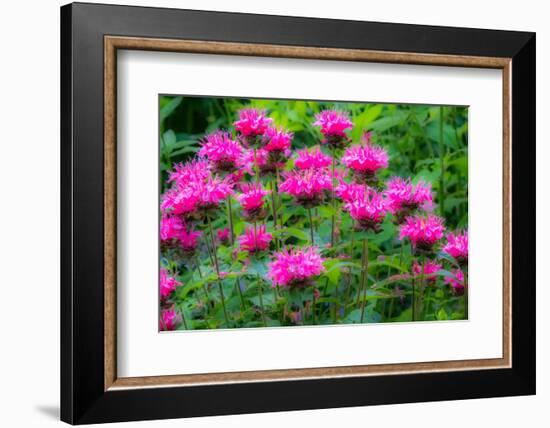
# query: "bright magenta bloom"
[221,150]
[178,201]
[262,159]
[295,268]
[423,232]
[212,191]
[188,240]
[253,241]
[456,283]
[170,227]
[252,122]
[223,235]
[277,140]
[457,246]
[195,170]
[403,196]
[369,211]
[365,159]
[167,283]
[252,196]
[199,192]
[313,158]
[430,268]
[350,192]
[307,186]
[169,319]
[333,123]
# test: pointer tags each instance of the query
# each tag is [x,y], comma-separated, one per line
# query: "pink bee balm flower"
[223,235]
[369,211]
[195,170]
[333,125]
[170,227]
[313,158]
[169,320]
[277,140]
[221,150]
[404,197]
[350,192]
[255,239]
[264,160]
[295,268]
[212,191]
[365,160]
[457,246]
[188,240]
[307,186]
[179,201]
[423,232]
[252,122]
[167,283]
[456,283]
[252,201]
[430,268]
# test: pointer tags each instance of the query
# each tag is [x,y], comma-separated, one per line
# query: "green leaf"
[296,233]
[169,108]
[441,314]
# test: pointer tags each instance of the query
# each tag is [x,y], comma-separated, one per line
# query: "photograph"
[279,213]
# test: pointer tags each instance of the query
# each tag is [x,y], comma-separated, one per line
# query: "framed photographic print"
[265,213]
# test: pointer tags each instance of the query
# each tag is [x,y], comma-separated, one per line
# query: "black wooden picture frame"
[84,397]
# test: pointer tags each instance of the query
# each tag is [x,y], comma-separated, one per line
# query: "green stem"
[260,293]
[313,306]
[256,167]
[360,284]
[279,197]
[238,286]
[420,306]
[442,164]
[230,219]
[310,226]
[184,321]
[390,310]
[274,209]
[365,277]
[217,266]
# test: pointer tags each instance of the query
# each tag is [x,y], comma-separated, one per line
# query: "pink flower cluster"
[277,140]
[369,211]
[312,159]
[422,231]
[295,267]
[252,196]
[170,227]
[402,195]
[350,192]
[456,282]
[333,123]
[430,268]
[365,159]
[255,239]
[200,192]
[220,149]
[307,186]
[168,283]
[252,122]
[169,319]
[457,246]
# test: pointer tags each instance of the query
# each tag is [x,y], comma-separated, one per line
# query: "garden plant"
[291,213]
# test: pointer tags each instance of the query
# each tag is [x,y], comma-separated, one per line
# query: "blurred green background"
[418,143]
